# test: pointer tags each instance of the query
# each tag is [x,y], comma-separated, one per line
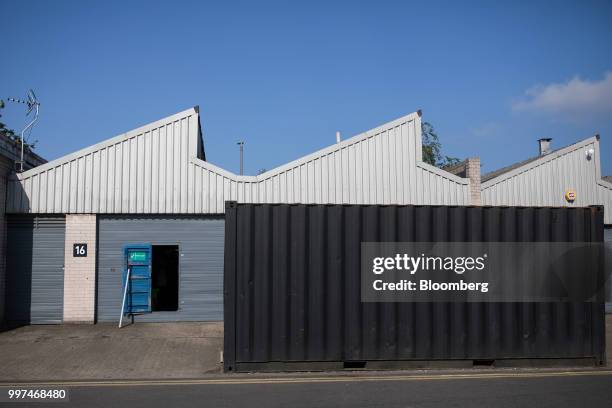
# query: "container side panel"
[297,296]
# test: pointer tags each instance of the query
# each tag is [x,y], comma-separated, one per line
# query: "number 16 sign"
[79,250]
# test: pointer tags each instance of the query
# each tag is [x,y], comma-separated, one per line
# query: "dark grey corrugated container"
[292,290]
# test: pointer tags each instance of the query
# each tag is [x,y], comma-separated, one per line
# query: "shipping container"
[292,290]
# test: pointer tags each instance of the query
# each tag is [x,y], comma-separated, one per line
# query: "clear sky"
[491,77]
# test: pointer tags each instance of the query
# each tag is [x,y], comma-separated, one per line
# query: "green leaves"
[4,131]
[432,148]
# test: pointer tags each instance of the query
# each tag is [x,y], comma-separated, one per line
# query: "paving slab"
[103,351]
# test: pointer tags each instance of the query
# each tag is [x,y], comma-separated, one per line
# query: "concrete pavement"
[144,350]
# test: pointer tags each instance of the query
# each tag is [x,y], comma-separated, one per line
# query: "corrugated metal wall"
[292,287]
[155,170]
[200,241]
[143,171]
[381,166]
[35,269]
[545,182]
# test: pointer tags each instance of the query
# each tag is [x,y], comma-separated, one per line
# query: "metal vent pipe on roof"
[241,144]
[544,145]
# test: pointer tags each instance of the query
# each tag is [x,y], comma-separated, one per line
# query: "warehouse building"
[69,220]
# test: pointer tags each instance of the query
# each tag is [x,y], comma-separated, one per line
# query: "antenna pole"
[241,144]
[29,126]
[32,103]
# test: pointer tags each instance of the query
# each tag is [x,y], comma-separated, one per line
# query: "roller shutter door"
[35,269]
[608,240]
[200,240]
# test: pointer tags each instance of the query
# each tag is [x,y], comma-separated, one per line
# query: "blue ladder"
[136,280]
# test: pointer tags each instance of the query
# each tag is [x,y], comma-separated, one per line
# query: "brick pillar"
[472,171]
[80,272]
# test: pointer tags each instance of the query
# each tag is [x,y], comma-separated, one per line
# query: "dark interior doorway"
[164,278]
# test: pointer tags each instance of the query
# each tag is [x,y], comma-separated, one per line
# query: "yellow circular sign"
[570,195]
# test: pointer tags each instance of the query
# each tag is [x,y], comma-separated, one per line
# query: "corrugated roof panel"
[155,170]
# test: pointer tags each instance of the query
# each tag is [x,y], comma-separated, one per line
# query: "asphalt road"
[551,389]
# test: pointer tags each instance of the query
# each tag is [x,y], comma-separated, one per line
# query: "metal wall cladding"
[544,182]
[158,169]
[35,269]
[381,166]
[142,171]
[200,240]
[292,287]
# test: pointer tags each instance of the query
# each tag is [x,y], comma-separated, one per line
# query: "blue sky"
[491,77]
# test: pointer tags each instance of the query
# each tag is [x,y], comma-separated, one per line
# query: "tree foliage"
[10,133]
[4,131]
[432,148]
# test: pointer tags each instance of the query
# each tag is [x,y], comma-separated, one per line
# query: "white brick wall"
[469,168]
[472,172]
[80,273]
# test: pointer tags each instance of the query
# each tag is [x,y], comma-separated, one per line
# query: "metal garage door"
[608,239]
[200,241]
[35,269]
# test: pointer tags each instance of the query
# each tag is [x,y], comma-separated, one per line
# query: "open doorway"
[164,278]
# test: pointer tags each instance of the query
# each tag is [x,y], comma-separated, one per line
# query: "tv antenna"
[33,105]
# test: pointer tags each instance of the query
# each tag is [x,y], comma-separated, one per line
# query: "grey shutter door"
[35,269]
[608,242]
[200,240]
